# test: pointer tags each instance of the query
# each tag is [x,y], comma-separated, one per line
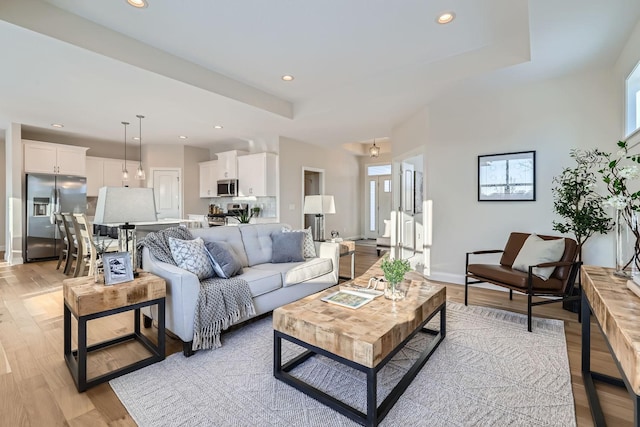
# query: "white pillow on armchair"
[387,228]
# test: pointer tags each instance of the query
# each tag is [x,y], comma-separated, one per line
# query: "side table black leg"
[82,354]
[161,328]
[277,354]
[67,331]
[136,321]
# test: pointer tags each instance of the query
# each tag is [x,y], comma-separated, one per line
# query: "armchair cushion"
[502,275]
[536,251]
[191,255]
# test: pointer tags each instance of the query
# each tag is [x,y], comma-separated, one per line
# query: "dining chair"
[64,253]
[72,245]
[85,228]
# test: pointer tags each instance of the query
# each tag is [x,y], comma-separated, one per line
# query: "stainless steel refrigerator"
[45,195]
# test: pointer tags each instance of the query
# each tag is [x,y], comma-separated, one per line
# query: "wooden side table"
[348,247]
[87,300]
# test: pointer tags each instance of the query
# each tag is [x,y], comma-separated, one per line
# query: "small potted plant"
[255,211]
[394,271]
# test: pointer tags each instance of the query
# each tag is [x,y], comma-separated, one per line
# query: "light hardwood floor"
[36,387]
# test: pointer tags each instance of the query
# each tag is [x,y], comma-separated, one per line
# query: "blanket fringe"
[209,336]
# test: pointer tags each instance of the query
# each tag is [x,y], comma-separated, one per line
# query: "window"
[379,170]
[632,122]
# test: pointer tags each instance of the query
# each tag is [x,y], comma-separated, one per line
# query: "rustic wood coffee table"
[364,339]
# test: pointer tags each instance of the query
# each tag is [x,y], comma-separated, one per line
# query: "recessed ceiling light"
[182,137]
[57,125]
[140,4]
[445,17]
[287,78]
[136,138]
[217,127]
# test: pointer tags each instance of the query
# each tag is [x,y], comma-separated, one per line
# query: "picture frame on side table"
[507,177]
[117,267]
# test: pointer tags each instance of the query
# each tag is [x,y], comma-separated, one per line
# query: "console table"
[616,310]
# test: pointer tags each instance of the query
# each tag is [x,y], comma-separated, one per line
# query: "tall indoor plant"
[576,200]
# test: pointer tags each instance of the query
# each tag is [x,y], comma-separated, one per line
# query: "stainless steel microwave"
[228,187]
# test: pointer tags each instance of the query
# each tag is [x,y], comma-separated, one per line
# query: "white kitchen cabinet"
[95,172]
[208,179]
[228,164]
[257,174]
[56,159]
[102,172]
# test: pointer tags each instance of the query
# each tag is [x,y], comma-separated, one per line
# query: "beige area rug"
[489,371]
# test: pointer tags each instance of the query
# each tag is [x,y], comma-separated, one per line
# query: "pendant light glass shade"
[125,172]
[374,151]
[140,171]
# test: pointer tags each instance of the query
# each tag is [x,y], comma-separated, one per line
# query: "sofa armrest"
[183,288]
[330,250]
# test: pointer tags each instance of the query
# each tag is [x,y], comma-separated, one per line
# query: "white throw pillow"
[387,228]
[536,250]
[191,255]
[308,248]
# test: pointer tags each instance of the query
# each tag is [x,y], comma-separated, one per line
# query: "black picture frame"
[507,177]
[117,267]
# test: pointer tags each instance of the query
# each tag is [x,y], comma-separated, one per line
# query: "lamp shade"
[319,204]
[118,205]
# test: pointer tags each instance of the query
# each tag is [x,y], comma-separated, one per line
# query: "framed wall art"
[117,267]
[507,177]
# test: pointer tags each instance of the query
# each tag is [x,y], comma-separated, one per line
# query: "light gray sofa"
[272,285]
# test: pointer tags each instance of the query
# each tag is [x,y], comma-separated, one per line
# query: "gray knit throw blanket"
[221,302]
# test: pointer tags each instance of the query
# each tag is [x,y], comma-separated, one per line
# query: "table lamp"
[123,207]
[319,205]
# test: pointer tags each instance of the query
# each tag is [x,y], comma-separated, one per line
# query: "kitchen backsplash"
[268,204]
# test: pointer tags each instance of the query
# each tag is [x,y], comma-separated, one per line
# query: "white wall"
[551,117]
[342,180]
[191,181]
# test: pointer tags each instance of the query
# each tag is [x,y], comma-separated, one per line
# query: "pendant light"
[125,172]
[374,151]
[140,172]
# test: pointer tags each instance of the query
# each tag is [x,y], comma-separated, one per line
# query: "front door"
[166,190]
[378,204]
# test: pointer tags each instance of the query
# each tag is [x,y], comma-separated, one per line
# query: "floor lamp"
[319,205]
[122,207]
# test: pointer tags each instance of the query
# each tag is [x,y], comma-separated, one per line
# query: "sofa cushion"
[224,261]
[191,255]
[287,247]
[230,235]
[257,241]
[261,281]
[298,272]
[308,249]
[536,251]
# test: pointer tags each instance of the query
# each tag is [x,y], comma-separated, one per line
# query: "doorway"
[378,200]
[312,184]
[167,192]
[412,219]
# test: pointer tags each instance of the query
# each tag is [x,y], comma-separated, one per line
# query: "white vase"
[627,243]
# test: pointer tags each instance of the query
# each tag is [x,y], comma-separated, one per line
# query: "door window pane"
[372,205]
[387,186]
